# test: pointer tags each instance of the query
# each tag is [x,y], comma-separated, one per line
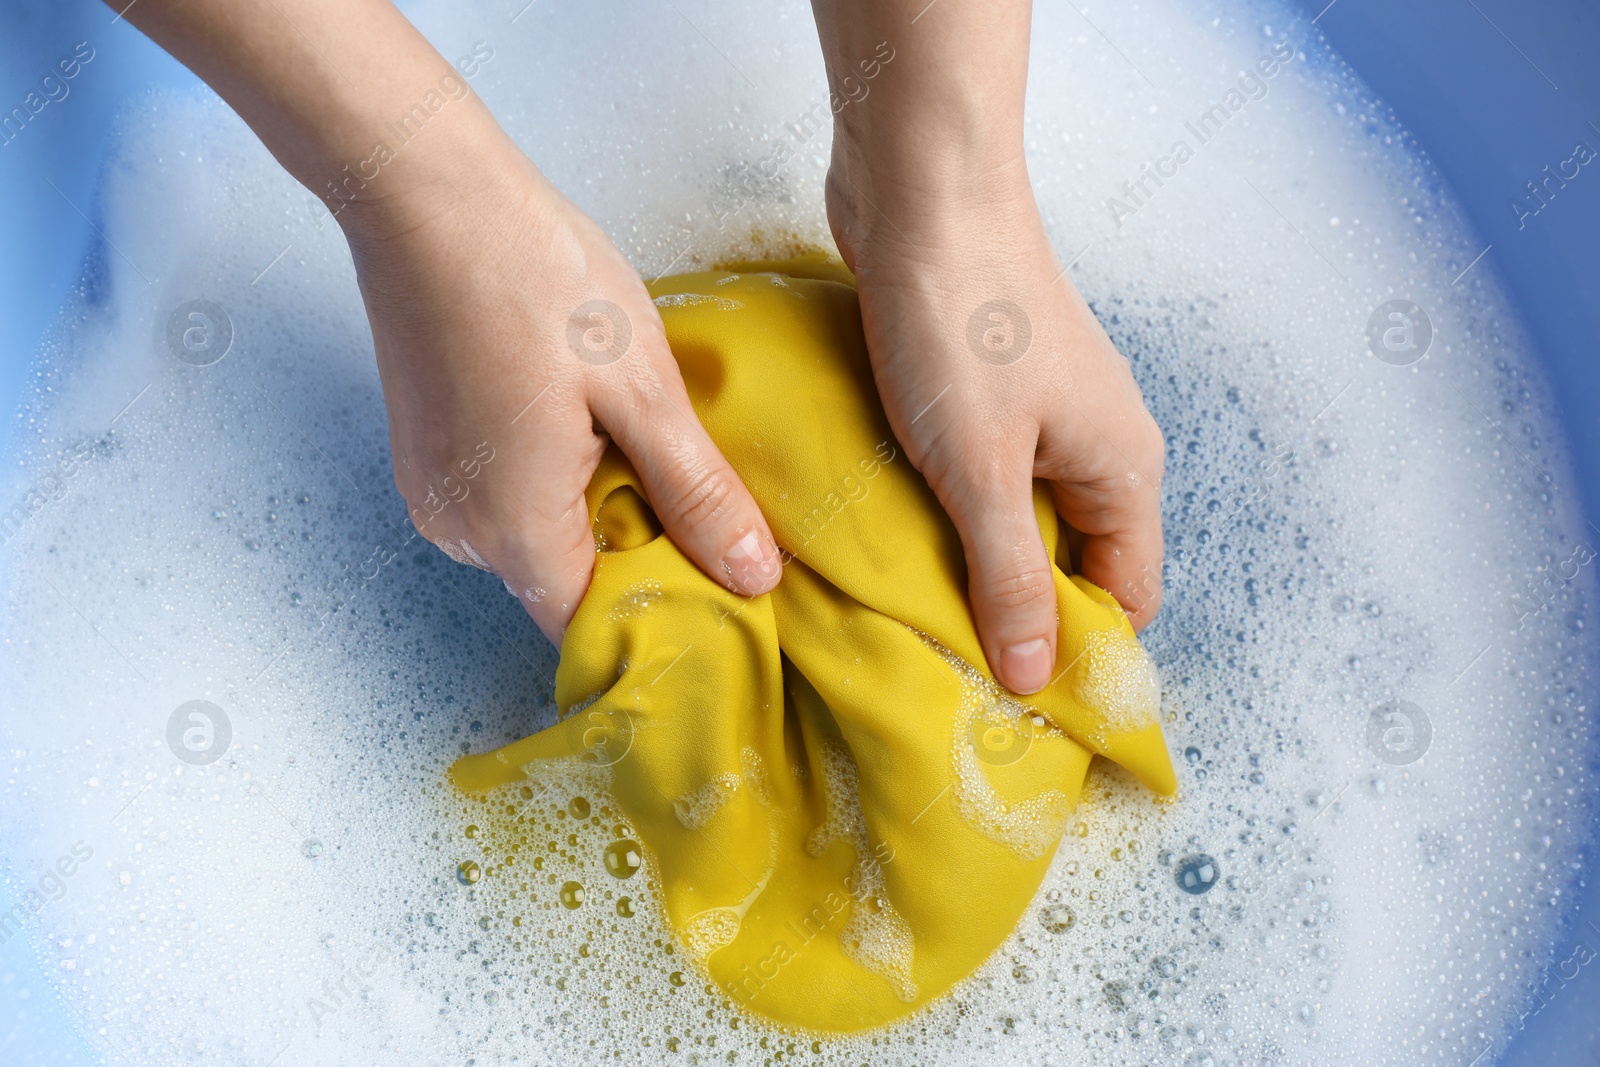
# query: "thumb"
[1010,580]
[701,502]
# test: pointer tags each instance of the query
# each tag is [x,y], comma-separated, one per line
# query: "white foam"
[636,600]
[1119,681]
[1343,533]
[991,725]
[695,809]
[721,303]
[875,935]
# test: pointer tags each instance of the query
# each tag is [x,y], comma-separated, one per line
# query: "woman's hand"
[992,369]
[994,372]
[513,339]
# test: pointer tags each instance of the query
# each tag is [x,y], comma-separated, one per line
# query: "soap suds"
[674,300]
[1342,533]
[1117,678]
[695,809]
[991,726]
[637,599]
[875,936]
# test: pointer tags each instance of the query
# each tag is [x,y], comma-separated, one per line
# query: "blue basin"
[1495,92]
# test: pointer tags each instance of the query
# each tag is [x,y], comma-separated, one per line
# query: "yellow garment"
[843,814]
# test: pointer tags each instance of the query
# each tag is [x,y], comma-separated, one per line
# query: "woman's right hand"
[506,324]
[513,340]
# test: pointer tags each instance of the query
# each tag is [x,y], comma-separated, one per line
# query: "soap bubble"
[1196,874]
[623,858]
[1056,918]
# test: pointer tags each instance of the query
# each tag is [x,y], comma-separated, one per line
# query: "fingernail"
[1025,667]
[752,564]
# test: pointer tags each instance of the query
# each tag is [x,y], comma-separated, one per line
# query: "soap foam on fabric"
[1343,534]
[1030,828]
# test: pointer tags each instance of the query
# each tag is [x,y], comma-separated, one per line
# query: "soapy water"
[1374,654]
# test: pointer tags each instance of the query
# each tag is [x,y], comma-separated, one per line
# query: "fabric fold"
[844,814]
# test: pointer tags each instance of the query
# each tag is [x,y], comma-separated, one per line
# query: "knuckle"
[698,498]
[1020,586]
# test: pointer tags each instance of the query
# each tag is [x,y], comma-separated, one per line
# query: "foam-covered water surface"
[1375,654]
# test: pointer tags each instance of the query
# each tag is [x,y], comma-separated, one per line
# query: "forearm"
[346,94]
[945,114]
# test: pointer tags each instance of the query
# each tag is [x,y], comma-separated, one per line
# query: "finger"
[701,502]
[1105,469]
[533,530]
[548,557]
[1121,540]
[549,560]
[1010,580]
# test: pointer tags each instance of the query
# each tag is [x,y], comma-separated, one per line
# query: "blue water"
[1493,90]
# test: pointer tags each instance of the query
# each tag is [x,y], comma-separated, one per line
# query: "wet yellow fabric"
[843,814]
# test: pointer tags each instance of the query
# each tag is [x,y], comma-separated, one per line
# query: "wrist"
[377,135]
[896,208]
[419,158]
[937,132]
[931,108]
[926,168]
